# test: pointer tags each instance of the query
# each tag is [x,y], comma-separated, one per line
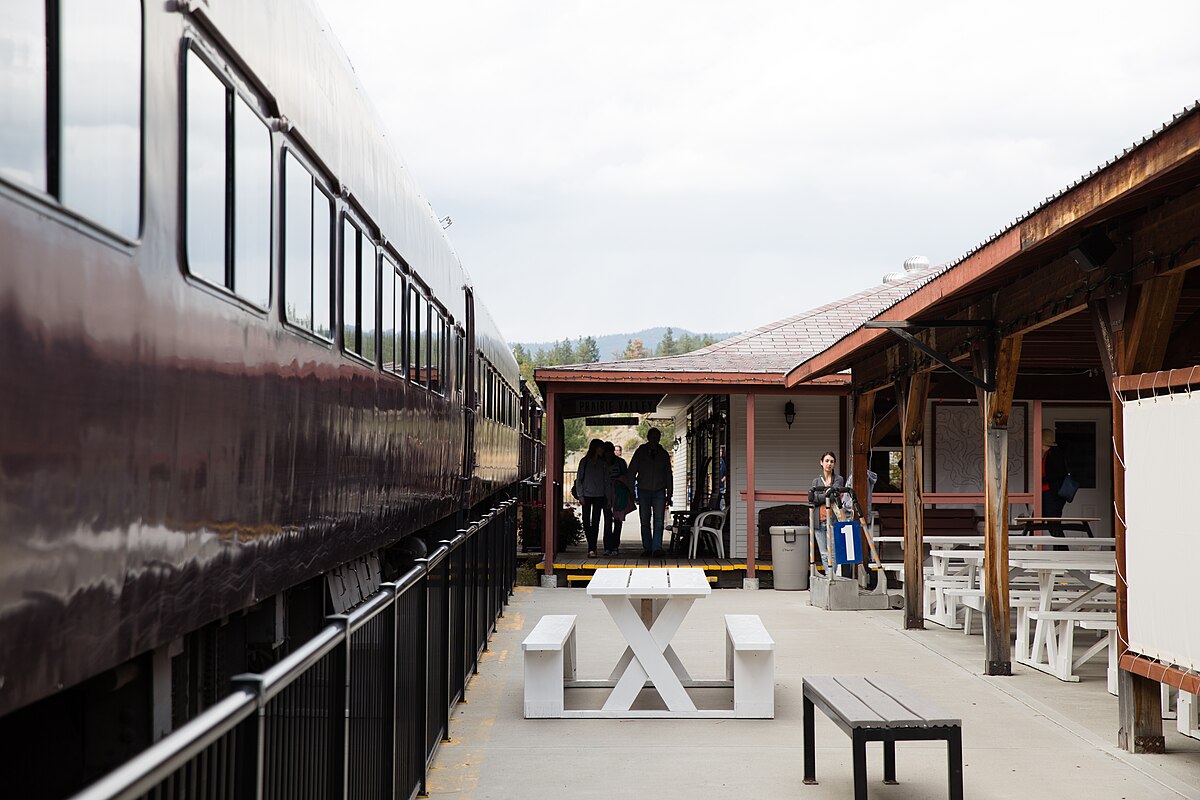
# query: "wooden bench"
[879,710]
[549,662]
[750,665]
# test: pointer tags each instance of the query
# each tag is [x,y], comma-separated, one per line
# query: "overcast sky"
[611,166]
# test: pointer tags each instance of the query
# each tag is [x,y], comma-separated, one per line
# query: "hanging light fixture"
[789,413]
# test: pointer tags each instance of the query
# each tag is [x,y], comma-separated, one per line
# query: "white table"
[1051,638]
[649,656]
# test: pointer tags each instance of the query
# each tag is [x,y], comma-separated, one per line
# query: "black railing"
[359,710]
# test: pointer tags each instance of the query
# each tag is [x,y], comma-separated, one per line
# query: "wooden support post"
[911,396]
[860,461]
[997,640]
[1139,716]
[553,481]
[1035,428]
[751,521]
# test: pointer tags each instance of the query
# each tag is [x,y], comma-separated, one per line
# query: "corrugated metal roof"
[777,347]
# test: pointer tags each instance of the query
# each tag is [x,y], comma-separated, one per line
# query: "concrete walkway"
[1024,736]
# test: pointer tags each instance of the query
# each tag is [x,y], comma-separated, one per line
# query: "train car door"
[469,406]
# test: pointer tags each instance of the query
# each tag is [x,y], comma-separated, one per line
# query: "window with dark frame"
[307,262]
[228,159]
[73,111]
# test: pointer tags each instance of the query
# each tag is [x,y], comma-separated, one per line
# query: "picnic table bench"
[884,710]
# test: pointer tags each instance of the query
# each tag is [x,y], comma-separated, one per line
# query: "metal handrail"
[140,774]
[158,762]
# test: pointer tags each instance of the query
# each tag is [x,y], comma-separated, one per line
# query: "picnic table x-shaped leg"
[649,654]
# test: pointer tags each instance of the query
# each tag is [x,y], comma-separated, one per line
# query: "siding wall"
[679,463]
[785,459]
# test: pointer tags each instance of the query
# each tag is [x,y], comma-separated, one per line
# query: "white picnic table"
[1054,637]
[648,629]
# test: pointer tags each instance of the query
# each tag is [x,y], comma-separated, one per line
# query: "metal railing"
[359,710]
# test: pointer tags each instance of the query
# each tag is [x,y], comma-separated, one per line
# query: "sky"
[715,166]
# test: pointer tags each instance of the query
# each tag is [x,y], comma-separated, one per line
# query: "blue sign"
[847,543]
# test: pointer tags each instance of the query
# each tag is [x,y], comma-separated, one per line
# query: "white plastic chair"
[708,523]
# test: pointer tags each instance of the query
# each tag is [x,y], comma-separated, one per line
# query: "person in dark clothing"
[1054,469]
[591,485]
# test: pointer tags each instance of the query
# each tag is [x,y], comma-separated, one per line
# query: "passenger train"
[240,358]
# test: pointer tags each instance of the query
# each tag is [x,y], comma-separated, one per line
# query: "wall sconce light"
[1092,251]
[789,413]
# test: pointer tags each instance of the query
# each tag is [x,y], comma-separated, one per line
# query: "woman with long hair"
[591,487]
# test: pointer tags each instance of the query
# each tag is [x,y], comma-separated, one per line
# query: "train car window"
[387,293]
[251,205]
[460,365]
[416,354]
[322,248]
[447,372]
[307,218]
[370,300]
[297,243]
[350,244]
[228,173]
[207,98]
[23,93]
[100,101]
[435,350]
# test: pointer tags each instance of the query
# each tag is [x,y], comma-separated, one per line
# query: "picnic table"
[1053,633]
[1031,524]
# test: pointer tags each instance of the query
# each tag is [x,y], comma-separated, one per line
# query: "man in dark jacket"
[1054,469]
[650,468]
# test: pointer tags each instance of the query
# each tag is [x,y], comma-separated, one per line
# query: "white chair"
[708,523]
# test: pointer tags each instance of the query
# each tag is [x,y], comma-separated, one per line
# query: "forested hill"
[613,346]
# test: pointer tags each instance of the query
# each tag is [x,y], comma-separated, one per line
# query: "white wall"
[785,459]
[679,463]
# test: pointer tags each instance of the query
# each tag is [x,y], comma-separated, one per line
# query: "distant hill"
[612,345]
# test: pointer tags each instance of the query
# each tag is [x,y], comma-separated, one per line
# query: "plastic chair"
[708,523]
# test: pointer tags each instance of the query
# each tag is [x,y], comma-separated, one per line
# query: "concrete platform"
[1028,735]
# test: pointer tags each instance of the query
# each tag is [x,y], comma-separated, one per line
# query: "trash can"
[789,557]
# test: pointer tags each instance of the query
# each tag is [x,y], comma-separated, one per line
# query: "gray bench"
[879,710]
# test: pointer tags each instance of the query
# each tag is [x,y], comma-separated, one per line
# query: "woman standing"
[591,484]
[828,479]
[620,500]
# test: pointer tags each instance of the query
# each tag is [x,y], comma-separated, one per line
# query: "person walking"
[620,499]
[591,479]
[650,469]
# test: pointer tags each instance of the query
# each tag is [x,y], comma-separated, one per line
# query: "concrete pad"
[1024,736]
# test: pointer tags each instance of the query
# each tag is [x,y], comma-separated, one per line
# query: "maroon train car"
[239,355]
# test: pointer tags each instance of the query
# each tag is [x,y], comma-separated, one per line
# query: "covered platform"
[1024,736]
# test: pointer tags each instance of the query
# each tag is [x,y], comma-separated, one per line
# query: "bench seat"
[750,665]
[881,710]
[549,662]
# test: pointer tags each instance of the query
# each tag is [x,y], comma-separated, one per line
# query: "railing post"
[339,711]
[248,776]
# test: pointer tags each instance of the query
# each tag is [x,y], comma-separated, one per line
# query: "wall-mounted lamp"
[789,413]
[1092,251]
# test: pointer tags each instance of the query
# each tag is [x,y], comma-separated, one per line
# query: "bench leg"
[889,762]
[754,684]
[860,766]
[954,763]
[544,684]
[810,745]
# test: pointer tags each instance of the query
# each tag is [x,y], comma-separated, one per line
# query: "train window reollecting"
[435,350]
[228,168]
[307,217]
[392,348]
[100,101]
[416,352]
[23,93]
[359,265]
[70,121]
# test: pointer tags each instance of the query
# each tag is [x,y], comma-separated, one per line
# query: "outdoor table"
[1031,524]
[670,593]
[1048,565]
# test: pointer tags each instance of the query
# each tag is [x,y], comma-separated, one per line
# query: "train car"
[241,358]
